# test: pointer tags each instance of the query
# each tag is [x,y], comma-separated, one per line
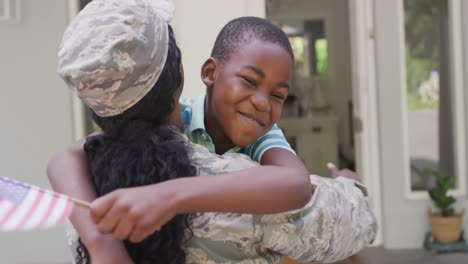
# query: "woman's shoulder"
[208,163]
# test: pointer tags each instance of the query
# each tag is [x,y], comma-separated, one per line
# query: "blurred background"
[379,87]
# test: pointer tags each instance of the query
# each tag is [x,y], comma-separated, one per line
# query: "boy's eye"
[279,97]
[249,81]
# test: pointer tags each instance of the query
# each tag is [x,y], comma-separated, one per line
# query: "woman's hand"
[134,213]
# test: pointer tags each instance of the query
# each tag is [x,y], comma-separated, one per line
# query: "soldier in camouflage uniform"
[336,223]
[122,66]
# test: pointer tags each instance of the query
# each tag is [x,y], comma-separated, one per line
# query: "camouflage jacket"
[336,223]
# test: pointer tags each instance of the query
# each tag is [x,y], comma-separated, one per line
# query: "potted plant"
[446,223]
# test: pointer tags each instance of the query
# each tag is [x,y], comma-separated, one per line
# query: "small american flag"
[24,207]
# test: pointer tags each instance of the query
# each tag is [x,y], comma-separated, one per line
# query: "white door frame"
[365,102]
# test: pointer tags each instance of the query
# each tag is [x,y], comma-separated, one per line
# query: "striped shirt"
[193,114]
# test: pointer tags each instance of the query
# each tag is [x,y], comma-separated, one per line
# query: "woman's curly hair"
[137,148]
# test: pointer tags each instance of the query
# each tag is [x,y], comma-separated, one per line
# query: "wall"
[35,116]
[197,23]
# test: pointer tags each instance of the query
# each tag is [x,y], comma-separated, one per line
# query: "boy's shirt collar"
[193,116]
[194,113]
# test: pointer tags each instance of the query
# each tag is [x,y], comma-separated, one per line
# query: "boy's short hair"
[241,30]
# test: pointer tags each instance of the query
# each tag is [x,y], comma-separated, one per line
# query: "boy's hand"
[134,213]
[344,172]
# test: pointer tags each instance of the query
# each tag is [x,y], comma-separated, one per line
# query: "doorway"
[330,115]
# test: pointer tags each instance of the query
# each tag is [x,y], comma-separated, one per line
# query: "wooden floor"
[379,255]
[351,260]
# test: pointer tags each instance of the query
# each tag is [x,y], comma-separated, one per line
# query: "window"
[321,51]
[310,46]
[430,91]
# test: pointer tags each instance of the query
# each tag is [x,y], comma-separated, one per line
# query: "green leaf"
[439,193]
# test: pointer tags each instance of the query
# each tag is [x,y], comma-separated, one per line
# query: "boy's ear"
[207,72]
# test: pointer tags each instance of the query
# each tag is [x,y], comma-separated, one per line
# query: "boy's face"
[247,92]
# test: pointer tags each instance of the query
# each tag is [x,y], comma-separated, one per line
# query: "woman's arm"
[68,174]
[135,213]
[261,189]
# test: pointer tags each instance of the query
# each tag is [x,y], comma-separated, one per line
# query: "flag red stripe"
[8,215]
[66,212]
[49,212]
[31,211]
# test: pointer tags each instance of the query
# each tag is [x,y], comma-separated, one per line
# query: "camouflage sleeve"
[208,163]
[335,224]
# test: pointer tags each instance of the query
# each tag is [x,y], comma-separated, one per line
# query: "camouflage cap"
[114,51]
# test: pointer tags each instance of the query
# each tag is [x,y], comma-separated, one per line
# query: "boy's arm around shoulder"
[284,158]
[272,149]
[280,157]
[68,174]
[281,184]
